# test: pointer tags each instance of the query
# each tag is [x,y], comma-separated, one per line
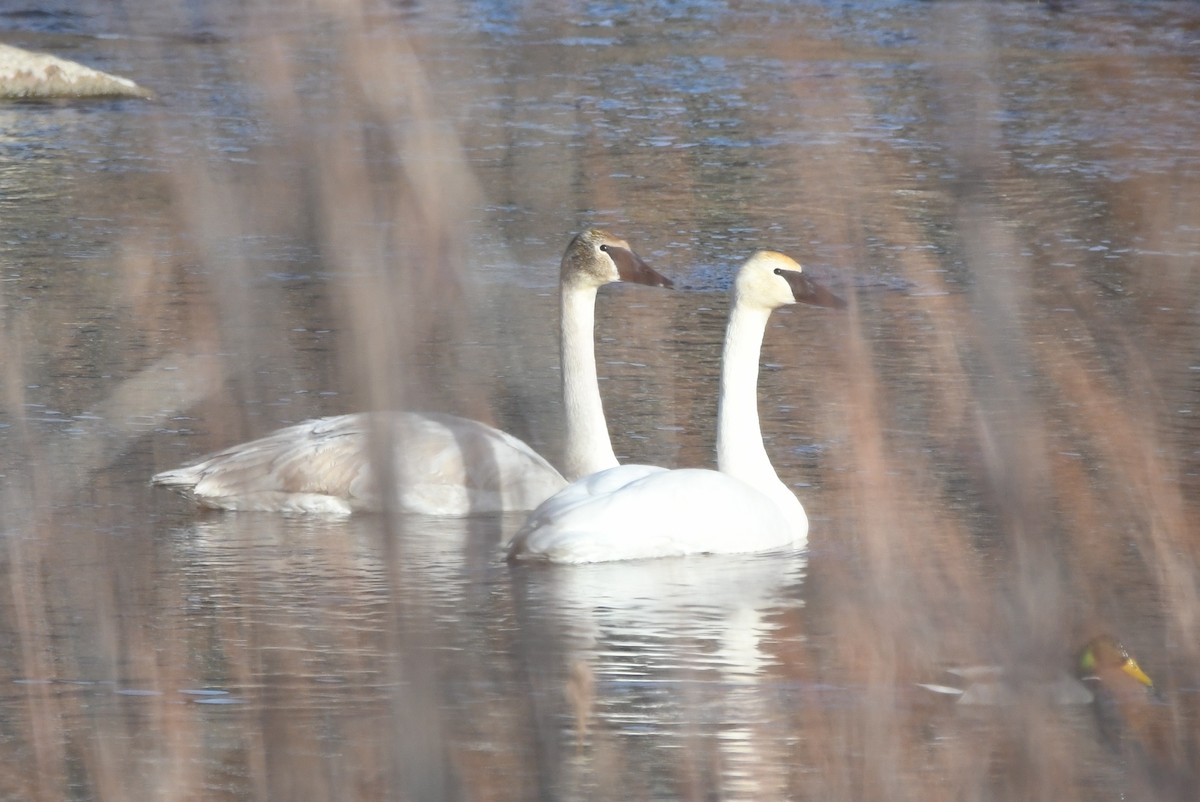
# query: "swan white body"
[435,464]
[637,511]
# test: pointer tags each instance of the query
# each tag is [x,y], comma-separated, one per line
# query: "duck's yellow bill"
[1131,668]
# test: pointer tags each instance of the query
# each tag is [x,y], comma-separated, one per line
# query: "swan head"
[596,257]
[770,279]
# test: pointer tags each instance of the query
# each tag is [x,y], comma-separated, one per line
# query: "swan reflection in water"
[661,658]
[584,676]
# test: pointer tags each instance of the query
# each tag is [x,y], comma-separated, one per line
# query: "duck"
[440,464]
[633,512]
[1122,694]
[1137,723]
[1106,668]
[1000,685]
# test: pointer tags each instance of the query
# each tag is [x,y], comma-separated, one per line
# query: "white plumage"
[636,511]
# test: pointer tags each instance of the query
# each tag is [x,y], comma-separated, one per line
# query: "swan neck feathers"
[588,447]
[740,450]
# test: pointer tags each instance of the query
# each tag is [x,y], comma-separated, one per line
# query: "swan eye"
[604,248]
[779,271]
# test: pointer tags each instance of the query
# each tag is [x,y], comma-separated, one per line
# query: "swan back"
[634,512]
[437,464]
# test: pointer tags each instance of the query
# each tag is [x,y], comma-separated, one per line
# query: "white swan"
[636,511]
[439,464]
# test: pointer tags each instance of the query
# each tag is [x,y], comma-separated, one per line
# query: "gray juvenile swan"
[441,464]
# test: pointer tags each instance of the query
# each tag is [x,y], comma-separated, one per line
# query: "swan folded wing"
[584,491]
[317,465]
[456,466]
[660,513]
[441,465]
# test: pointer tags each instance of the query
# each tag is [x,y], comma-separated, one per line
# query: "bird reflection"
[659,654]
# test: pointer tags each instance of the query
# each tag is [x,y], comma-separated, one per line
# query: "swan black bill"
[630,267]
[808,291]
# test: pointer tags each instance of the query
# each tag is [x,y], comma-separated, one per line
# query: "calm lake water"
[335,207]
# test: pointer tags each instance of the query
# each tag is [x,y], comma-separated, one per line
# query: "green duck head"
[1103,657]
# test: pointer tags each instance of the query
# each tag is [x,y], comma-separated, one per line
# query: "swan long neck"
[740,450]
[589,448]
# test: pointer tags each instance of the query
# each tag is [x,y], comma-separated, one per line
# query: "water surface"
[332,211]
